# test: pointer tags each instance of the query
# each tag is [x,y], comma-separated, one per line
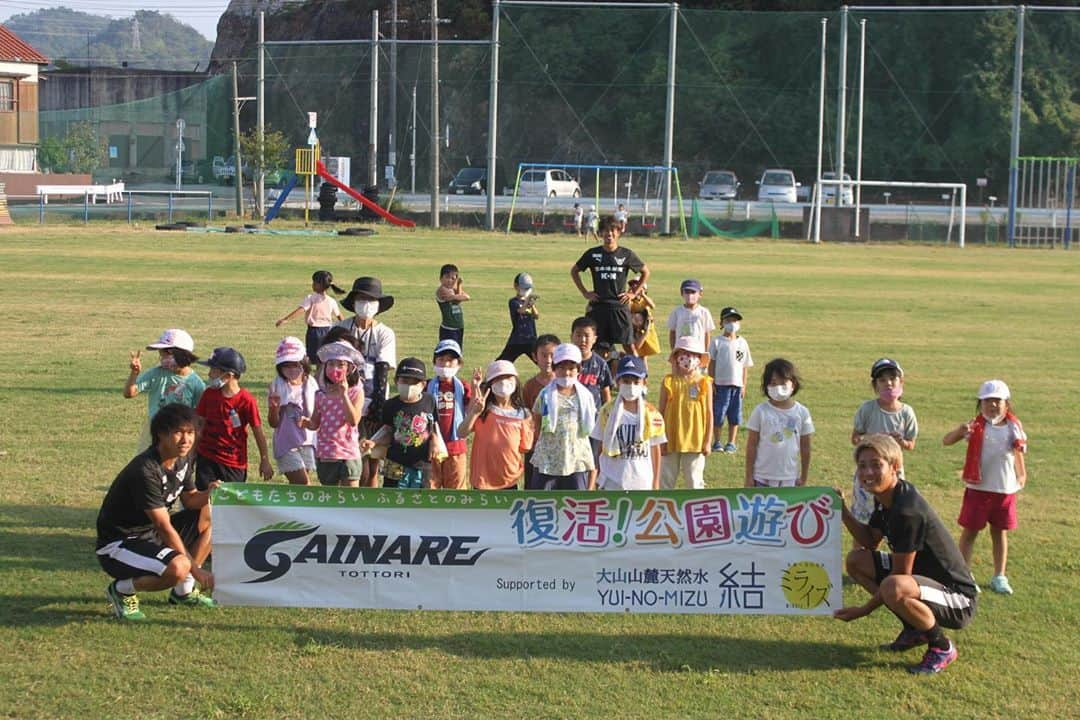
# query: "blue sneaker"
[1000,584]
[717,447]
[934,661]
[731,448]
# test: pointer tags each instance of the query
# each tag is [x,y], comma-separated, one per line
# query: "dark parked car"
[469,181]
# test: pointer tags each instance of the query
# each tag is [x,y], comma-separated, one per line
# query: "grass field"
[75,300]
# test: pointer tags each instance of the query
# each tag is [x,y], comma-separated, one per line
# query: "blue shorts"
[727,403]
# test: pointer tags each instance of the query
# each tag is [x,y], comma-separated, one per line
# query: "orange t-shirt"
[500,440]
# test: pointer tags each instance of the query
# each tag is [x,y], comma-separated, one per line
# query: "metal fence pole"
[129,207]
[493,117]
[86,208]
[41,209]
[170,207]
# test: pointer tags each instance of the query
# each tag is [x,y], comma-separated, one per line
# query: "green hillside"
[71,37]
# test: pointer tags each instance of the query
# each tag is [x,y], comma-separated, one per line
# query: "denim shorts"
[727,404]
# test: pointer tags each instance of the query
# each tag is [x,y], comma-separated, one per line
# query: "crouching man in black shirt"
[924,581]
[144,541]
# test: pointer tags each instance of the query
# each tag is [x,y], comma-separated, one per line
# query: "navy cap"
[227,360]
[884,364]
[631,365]
[690,286]
[730,312]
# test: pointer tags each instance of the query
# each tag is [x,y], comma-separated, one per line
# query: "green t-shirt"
[162,387]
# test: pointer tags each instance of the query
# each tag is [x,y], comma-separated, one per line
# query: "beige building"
[19,65]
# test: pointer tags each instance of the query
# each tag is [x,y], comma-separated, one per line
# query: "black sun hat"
[370,288]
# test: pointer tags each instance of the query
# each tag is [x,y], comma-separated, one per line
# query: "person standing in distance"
[609,300]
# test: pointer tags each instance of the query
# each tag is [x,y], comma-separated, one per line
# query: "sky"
[200,14]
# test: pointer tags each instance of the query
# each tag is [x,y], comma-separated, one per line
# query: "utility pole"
[435,113]
[1014,144]
[391,110]
[238,180]
[373,119]
[260,164]
[493,117]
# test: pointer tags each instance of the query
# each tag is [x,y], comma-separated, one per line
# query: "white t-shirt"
[730,356]
[632,468]
[380,345]
[692,322]
[778,442]
[997,467]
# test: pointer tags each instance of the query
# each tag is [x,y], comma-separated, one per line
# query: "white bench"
[112,193]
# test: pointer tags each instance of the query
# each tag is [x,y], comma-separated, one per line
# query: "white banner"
[757,551]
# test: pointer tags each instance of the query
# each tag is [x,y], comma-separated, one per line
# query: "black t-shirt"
[911,525]
[522,326]
[144,484]
[609,270]
[413,425]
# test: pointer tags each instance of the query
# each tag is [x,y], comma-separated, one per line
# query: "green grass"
[75,300]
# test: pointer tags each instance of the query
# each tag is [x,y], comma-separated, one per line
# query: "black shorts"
[951,609]
[207,471]
[513,351]
[612,323]
[145,554]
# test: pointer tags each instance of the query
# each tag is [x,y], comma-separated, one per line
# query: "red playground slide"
[393,219]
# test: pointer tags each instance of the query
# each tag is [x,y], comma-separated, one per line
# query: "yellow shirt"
[686,412]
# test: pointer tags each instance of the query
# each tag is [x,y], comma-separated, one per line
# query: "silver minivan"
[719,185]
[550,182]
[777,185]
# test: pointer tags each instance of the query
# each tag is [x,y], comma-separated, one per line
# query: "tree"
[276,151]
[80,151]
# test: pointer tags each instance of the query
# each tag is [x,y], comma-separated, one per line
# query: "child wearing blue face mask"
[227,411]
[887,415]
[779,431]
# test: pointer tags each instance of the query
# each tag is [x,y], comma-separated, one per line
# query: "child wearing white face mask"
[686,404]
[779,431]
[630,431]
[452,397]
[563,418]
[994,472]
[409,430]
[291,400]
[502,428]
[729,364]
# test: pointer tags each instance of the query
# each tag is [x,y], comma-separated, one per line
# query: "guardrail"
[131,203]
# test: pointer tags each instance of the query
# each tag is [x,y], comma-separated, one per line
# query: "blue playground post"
[272,212]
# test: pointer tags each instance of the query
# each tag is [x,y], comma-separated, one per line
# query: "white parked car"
[828,192]
[551,182]
[777,185]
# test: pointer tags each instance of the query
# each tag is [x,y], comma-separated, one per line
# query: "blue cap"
[446,346]
[690,286]
[631,365]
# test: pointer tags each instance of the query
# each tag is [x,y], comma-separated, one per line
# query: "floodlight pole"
[238,179]
[261,119]
[373,120]
[1014,145]
[841,102]
[669,115]
[435,113]
[820,136]
[858,151]
[493,116]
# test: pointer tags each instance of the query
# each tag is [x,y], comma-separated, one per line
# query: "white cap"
[173,338]
[994,389]
[290,349]
[499,368]
[566,352]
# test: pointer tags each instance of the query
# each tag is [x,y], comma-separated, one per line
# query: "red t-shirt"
[224,435]
[444,404]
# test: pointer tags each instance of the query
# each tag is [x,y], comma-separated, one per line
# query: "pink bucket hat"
[290,349]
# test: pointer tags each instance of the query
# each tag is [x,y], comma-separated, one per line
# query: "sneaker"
[1000,584]
[907,639]
[730,448]
[934,661]
[195,598]
[717,447]
[125,607]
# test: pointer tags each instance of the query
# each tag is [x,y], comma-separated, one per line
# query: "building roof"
[15,49]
